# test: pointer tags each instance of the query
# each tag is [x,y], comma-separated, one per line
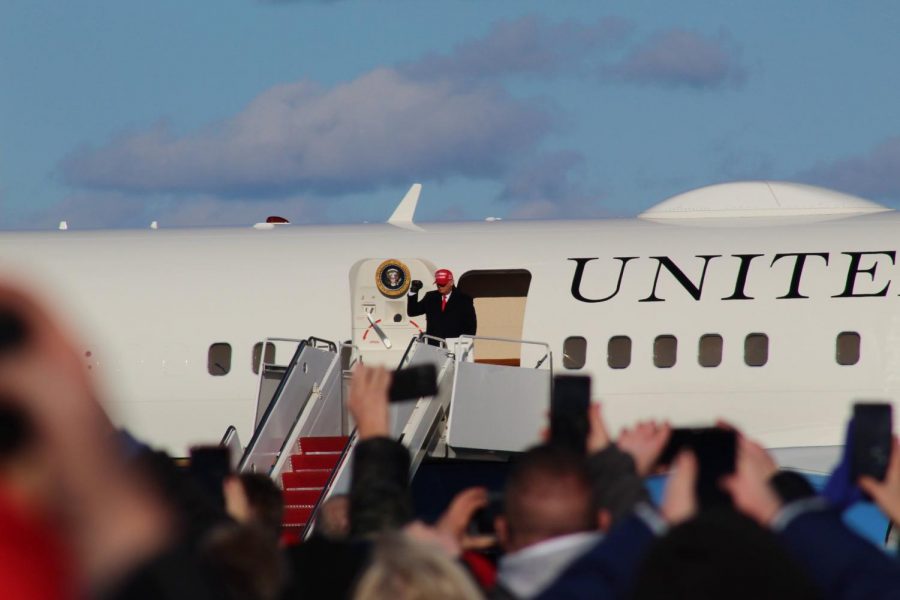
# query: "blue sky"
[115,113]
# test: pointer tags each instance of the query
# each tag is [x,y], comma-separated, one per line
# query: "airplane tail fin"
[406,210]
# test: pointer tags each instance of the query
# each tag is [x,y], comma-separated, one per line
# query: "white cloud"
[551,185]
[875,174]
[95,210]
[438,117]
[676,57]
[528,45]
[380,129]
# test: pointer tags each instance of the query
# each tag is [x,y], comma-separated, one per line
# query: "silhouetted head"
[548,494]
[253,498]
[402,569]
[245,561]
[720,554]
[333,518]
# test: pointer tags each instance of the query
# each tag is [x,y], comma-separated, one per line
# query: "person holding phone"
[837,559]
[886,492]
[449,312]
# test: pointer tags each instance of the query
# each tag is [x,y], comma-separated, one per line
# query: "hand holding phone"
[209,467]
[716,452]
[413,383]
[569,423]
[872,440]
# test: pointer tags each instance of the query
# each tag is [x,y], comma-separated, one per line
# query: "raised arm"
[414,307]
[114,518]
[379,489]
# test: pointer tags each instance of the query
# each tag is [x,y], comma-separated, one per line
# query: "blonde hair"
[402,569]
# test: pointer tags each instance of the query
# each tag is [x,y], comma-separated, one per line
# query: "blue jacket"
[607,570]
[841,563]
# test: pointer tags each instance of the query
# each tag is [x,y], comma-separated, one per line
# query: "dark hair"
[539,482]
[720,554]
[196,512]
[246,560]
[265,500]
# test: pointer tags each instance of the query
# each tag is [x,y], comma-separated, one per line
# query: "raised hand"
[113,519]
[749,485]
[598,436]
[644,442]
[450,532]
[886,494]
[455,520]
[680,497]
[368,401]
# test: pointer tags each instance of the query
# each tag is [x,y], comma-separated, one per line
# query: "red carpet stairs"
[311,468]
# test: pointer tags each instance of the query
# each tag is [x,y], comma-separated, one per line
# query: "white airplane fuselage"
[148,305]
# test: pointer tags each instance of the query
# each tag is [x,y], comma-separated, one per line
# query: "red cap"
[443,276]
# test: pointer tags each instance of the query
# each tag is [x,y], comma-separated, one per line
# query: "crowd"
[87,512]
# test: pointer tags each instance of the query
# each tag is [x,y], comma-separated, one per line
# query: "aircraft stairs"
[304,438]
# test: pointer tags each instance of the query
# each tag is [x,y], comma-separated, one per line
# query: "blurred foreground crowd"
[86,513]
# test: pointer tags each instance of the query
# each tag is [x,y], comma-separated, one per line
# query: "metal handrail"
[229,433]
[424,336]
[412,342]
[315,341]
[230,441]
[442,343]
[276,398]
[355,355]
[261,367]
[465,354]
[334,473]
[352,438]
[337,467]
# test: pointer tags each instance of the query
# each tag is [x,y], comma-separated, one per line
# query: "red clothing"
[34,563]
[484,571]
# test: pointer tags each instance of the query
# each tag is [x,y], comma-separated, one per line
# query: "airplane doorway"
[378,287]
[499,296]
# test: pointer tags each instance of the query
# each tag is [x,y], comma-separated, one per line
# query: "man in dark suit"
[450,313]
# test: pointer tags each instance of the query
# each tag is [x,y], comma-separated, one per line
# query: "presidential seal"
[392,278]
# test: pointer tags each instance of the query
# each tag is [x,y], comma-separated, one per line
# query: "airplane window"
[847,348]
[756,349]
[710,352]
[665,351]
[257,354]
[574,352]
[218,360]
[618,352]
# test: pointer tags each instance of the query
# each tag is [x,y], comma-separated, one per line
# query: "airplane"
[770,304]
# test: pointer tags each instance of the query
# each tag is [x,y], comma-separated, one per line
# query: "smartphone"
[209,467]
[716,452]
[872,440]
[569,404]
[483,520]
[679,439]
[413,383]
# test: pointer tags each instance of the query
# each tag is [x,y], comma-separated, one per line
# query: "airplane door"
[378,288]
[500,297]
